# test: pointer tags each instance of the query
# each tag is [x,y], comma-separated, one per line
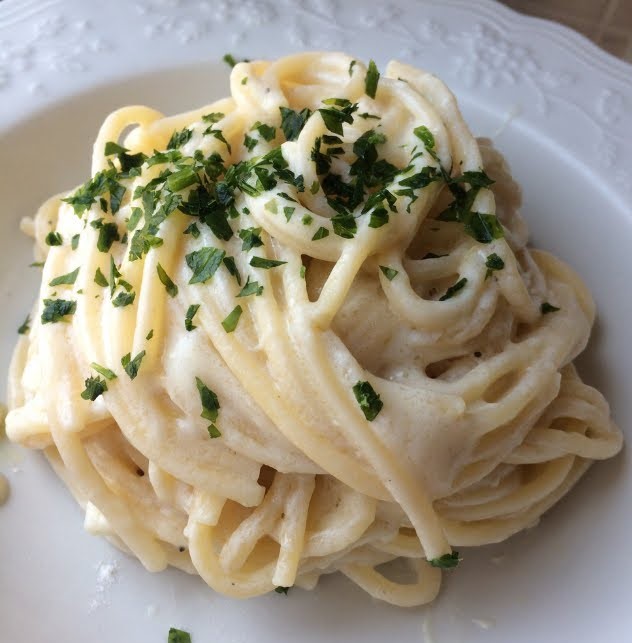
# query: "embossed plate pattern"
[559,108]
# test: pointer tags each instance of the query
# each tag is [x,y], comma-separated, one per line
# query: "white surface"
[65,65]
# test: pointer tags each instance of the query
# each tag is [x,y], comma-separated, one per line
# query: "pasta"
[299,331]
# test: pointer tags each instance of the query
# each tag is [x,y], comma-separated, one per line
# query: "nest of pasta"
[299,331]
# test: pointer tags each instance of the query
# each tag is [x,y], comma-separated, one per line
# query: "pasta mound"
[299,331]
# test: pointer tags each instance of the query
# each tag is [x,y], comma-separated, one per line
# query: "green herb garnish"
[547,308]
[53,239]
[95,386]
[493,262]
[123,299]
[171,288]
[25,327]
[250,238]
[293,122]
[204,263]
[250,288]
[178,139]
[132,366]
[368,399]
[188,320]
[106,372]
[371,79]
[452,290]
[389,273]
[232,319]
[178,636]
[67,279]
[321,233]
[260,262]
[56,309]
[447,561]
[210,403]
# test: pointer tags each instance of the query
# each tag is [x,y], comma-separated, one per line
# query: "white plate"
[65,65]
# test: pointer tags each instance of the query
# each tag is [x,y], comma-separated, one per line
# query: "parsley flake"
[547,308]
[293,122]
[280,589]
[250,238]
[368,399]
[178,139]
[95,386]
[132,366]
[250,288]
[53,239]
[260,262]
[178,636]
[171,288]
[447,561]
[232,319]
[389,273]
[321,233]
[371,79]
[493,262]
[231,266]
[67,279]
[188,320]
[210,403]
[25,327]
[452,290]
[123,299]
[106,372]
[99,279]
[56,309]
[204,263]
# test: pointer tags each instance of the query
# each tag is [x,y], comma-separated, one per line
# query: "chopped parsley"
[371,79]
[250,238]
[123,299]
[447,561]
[340,112]
[547,308]
[171,288]
[193,230]
[426,136]
[67,279]
[250,288]
[260,262]
[53,239]
[74,242]
[137,213]
[178,636]
[149,335]
[182,179]
[231,266]
[267,132]
[95,386]
[217,133]
[452,290]
[213,117]
[210,407]
[132,366]
[293,122]
[250,143]
[178,139]
[56,309]
[232,319]
[344,225]
[280,589]
[231,61]
[352,64]
[106,372]
[108,234]
[204,263]
[389,273]
[188,319]
[25,327]
[321,233]
[213,431]
[102,182]
[493,262]
[368,399]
